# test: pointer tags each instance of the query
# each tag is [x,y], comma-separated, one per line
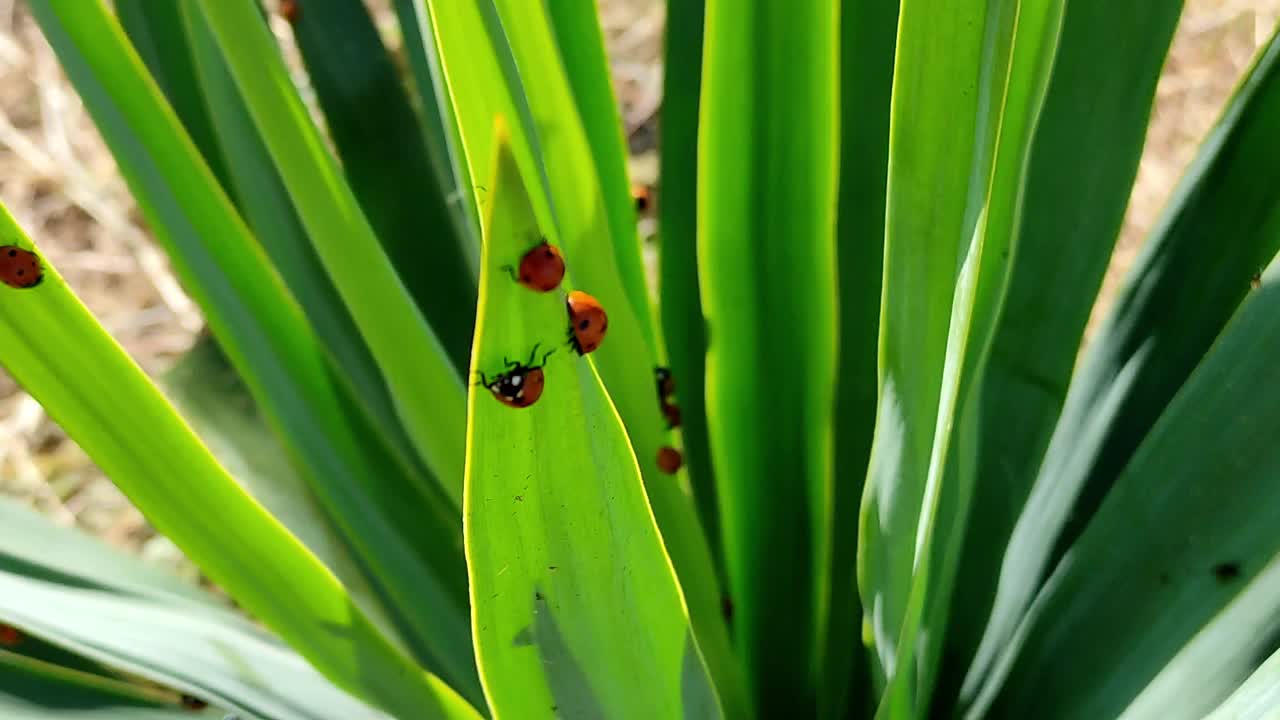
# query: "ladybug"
[666,383]
[521,385]
[643,198]
[541,269]
[671,412]
[669,460]
[588,322]
[19,268]
[10,636]
[290,10]
[191,702]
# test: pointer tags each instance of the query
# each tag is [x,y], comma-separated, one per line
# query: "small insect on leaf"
[20,268]
[521,384]
[588,322]
[643,197]
[191,702]
[290,10]
[1255,282]
[671,412]
[541,269]
[10,636]
[669,460]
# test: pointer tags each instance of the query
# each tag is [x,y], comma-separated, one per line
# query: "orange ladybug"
[541,269]
[10,636]
[290,10]
[521,385]
[19,268]
[588,322]
[669,460]
[643,198]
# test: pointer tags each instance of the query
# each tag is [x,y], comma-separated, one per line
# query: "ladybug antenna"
[484,381]
[533,354]
[544,357]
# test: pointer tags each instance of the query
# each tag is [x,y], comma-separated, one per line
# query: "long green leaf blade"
[485,83]
[102,399]
[578,36]
[1180,294]
[264,332]
[867,34]
[1099,96]
[683,324]
[977,134]
[766,254]
[164,636]
[425,387]
[385,159]
[1198,561]
[565,559]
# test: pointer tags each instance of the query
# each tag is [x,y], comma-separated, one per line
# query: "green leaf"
[1179,295]
[152,625]
[209,394]
[766,223]
[868,31]
[1256,697]
[484,83]
[58,353]
[270,213]
[577,34]
[1083,161]
[385,159]
[440,127]
[32,690]
[267,338]
[427,391]
[565,559]
[1179,542]
[683,325]
[946,272]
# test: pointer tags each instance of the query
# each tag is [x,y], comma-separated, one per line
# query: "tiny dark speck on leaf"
[552,568]
[1226,571]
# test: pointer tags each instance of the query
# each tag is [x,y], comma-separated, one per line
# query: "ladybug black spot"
[584,324]
[546,252]
[21,272]
[1227,571]
[13,253]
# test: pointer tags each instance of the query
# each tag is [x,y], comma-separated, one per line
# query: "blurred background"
[59,180]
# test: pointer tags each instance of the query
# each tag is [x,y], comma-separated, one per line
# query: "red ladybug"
[521,385]
[10,636]
[669,460]
[290,10]
[19,268]
[541,269]
[588,322]
[671,412]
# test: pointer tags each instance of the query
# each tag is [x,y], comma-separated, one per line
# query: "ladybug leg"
[484,381]
[547,355]
[511,270]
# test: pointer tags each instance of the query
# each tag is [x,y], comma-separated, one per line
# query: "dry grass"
[60,182]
